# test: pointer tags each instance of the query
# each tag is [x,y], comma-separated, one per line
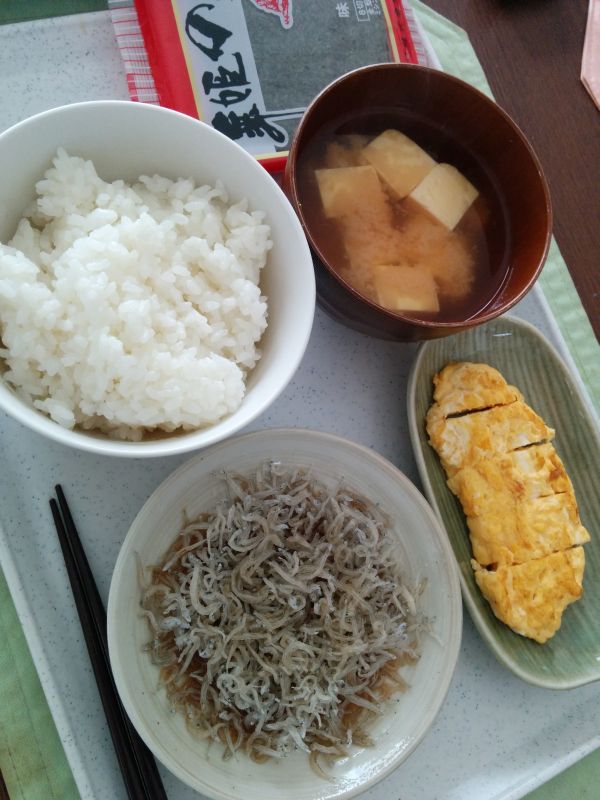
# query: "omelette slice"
[463,440]
[521,511]
[525,530]
[519,506]
[531,597]
[468,386]
[524,474]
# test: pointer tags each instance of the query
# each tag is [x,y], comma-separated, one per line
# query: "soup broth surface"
[468,263]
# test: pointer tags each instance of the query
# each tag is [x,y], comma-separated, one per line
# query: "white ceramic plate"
[422,546]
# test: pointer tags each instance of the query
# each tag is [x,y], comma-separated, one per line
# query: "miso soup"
[405,215]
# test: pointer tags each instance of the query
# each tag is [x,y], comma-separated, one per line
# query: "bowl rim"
[454,606]
[291,183]
[186,441]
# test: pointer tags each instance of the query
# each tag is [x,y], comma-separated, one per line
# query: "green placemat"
[32,759]
[22,10]
[31,756]
[580,781]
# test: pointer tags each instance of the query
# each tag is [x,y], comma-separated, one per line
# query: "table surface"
[531,52]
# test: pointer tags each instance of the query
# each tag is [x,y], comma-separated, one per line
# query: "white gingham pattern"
[133,51]
[423,57]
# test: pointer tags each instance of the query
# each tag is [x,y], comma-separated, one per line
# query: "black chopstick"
[137,764]
[3,789]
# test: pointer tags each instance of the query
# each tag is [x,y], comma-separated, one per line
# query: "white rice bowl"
[126,308]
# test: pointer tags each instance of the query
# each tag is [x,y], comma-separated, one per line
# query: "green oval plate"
[527,360]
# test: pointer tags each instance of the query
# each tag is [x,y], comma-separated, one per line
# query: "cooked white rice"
[126,308]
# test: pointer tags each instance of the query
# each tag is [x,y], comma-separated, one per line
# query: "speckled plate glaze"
[527,360]
[422,549]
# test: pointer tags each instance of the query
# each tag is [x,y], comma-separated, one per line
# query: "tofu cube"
[346,150]
[446,194]
[354,141]
[346,191]
[336,156]
[401,288]
[399,161]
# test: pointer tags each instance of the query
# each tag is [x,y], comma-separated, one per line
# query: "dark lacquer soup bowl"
[505,234]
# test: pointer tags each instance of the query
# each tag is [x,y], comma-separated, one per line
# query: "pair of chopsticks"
[138,767]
